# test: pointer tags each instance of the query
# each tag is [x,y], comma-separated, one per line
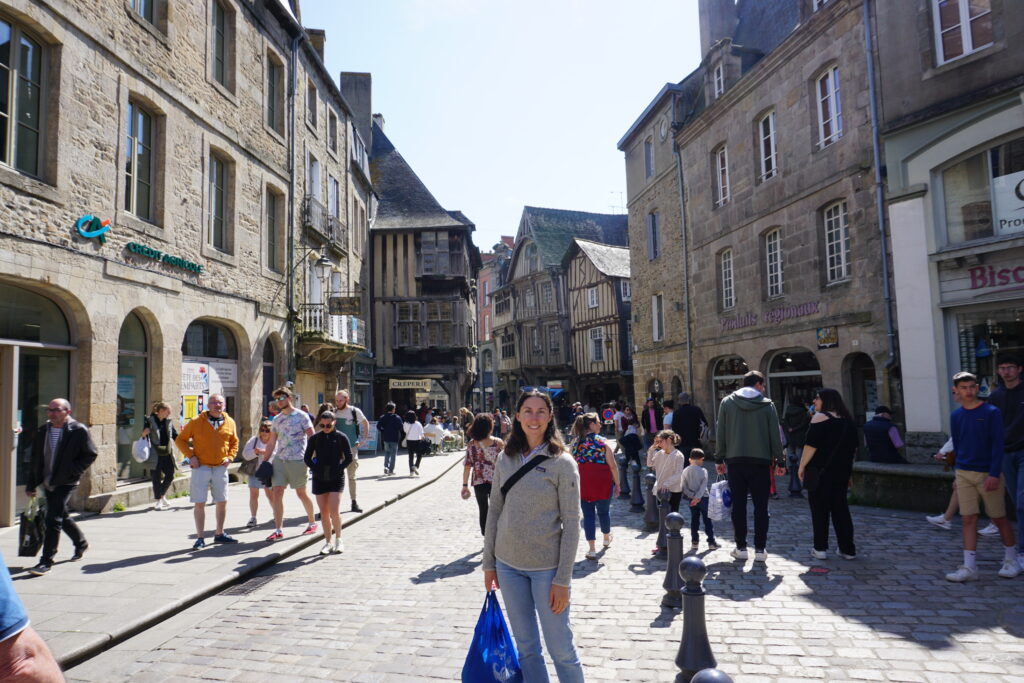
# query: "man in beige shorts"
[978,439]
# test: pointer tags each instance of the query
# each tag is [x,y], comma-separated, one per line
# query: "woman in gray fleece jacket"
[531,539]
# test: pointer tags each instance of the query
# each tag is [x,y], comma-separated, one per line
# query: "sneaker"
[1009,570]
[990,530]
[962,575]
[310,529]
[416,471]
[693,548]
[339,546]
[819,554]
[591,554]
[251,524]
[713,544]
[276,536]
[164,504]
[326,550]
[939,521]
[80,551]
[760,556]
[739,553]
[200,543]
[848,557]
[355,507]
[40,569]
[224,538]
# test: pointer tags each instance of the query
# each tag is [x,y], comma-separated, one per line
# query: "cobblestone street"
[402,601]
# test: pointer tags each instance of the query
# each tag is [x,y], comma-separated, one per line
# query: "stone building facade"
[953,128]
[493,269]
[777,266]
[149,207]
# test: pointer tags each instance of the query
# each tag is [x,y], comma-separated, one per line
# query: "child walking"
[695,490]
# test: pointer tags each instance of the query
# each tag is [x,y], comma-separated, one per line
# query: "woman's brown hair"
[483,425]
[581,427]
[517,443]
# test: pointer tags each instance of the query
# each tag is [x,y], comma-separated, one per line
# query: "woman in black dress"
[825,469]
[328,453]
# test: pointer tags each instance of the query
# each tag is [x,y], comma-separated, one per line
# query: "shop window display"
[983,337]
[728,376]
[975,189]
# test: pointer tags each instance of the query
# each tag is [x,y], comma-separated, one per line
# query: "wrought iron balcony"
[314,217]
[338,329]
[337,232]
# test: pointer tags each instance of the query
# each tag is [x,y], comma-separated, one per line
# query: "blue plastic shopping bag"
[492,654]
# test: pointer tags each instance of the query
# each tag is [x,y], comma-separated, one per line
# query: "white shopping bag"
[720,501]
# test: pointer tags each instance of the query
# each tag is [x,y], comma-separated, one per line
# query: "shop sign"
[774,316]
[1008,192]
[555,384]
[343,305]
[422,385]
[92,227]
[828,337]
[223,376]
[362,370]
[157,255]
[984,277]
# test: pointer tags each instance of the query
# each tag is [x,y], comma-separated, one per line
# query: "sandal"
[591,554]
[608,541]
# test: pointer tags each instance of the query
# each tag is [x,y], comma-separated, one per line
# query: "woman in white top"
[434,433]
[251,455]
[413,441]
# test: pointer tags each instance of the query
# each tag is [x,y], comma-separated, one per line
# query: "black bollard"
[663,511]
[624,482]
[694,648]
[651,509]
[637,501]
[673,599]
[710,676]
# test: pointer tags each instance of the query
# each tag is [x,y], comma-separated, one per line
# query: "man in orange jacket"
[211,443]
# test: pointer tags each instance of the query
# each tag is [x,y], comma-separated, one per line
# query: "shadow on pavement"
[458,567]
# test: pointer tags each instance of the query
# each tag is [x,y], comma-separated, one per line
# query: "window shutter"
[650,237]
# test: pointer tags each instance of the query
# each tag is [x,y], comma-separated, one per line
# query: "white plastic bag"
[141,450]
[719,501]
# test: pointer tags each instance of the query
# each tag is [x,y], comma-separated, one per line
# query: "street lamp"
[323,266]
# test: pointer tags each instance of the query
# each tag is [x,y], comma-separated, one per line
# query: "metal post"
[694,648]
[637,501]
[663,511]
[710,676]
[651,509]
[673,599]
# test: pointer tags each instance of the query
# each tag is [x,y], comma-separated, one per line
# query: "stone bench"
[912,486]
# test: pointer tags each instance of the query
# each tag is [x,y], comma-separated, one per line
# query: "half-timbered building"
[423,269]
[531,317]
[598,292]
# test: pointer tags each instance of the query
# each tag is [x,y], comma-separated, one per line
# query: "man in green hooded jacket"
[748,445]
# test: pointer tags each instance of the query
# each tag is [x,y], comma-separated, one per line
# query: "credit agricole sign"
[157,255]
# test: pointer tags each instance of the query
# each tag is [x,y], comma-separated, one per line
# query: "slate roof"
[761,26]
[404,202]
[608,259]
[554,229]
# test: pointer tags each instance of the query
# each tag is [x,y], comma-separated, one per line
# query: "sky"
[500,105]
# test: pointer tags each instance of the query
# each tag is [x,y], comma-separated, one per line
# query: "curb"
[130,629]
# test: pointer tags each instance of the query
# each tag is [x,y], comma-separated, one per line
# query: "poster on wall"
[189,406]
[1008,192]
[223,377]
[371,440]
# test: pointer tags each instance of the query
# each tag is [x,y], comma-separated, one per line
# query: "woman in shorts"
[328,453]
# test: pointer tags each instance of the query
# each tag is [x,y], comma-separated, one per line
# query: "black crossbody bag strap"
[520,473]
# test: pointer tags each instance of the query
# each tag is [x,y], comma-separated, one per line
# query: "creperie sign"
[984,277]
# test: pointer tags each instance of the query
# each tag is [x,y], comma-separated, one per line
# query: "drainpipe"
[290,284]
[890,327]
[686,262]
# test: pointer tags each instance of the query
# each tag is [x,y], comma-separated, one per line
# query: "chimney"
[357,89]
[379,120]
[717,21]
[317,38]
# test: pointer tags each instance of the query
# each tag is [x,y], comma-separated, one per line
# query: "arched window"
[727,375]
[793,373]
[132,377]
[27,316]
[269,360]
[208,340]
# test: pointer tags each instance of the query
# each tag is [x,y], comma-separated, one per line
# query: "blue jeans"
[528,596]
[697,513]
[793,463]
[390,455]
[1013,471]
[589,524]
